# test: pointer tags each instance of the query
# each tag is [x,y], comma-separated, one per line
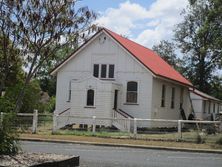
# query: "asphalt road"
[100,156]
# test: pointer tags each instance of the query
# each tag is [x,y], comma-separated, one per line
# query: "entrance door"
[115,100]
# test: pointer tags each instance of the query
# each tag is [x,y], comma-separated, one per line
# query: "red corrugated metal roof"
[149,59]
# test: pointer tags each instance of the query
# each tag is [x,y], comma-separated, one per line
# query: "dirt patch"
[29,159]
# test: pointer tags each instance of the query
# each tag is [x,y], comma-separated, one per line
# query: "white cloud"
[122,20]
[154,23]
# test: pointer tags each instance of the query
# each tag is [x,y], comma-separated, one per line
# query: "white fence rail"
[135,126]
[32,119]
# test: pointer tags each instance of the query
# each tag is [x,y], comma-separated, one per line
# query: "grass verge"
[123,141]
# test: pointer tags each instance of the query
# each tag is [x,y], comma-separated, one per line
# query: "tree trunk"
[21,94]
[2,86]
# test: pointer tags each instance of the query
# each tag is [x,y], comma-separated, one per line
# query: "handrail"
[64,111]
[123,113]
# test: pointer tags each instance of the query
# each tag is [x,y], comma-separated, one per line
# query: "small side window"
[209,107]
[111,71]
[173,98]
[69,92]
[204,106]
[103,71]
[163,96]
[96,70]
[90,97]
[214,108]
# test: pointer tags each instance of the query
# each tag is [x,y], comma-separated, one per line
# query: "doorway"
[115,100]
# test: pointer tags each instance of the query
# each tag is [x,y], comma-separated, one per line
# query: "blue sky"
[102,5]
[144,21]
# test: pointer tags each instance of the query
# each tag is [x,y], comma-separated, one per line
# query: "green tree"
[41,28]
[10,62]
[31,98]
[8,134]
[48,82]
[216,87]
[199,38]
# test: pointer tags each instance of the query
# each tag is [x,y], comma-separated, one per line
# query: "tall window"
[96,70]
[103,71]
[218,108]
[163,96]
[132,91]
[204,106]
[90,97]
[69,93]
[181,97]
[111,71]
[209,107]
[172,97]
[214,108]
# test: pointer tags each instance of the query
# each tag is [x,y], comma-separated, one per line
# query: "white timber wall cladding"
[167,112]
[102,98]
[127,69]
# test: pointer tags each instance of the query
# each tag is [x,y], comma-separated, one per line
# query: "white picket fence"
[32,117]
[131,124]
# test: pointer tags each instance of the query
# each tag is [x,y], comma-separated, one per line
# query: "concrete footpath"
[216,151]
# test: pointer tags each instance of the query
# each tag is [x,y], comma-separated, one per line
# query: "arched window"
[132,91]
[90,97]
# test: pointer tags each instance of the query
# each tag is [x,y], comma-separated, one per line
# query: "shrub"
[48,107]
[200,139]
[211,129]
[8,133]
[219,141]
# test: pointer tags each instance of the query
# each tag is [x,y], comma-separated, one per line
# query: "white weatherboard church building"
[205,106]
[112,76]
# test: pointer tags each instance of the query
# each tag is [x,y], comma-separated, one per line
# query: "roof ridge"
[122,40]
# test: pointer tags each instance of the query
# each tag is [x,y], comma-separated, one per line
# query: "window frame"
[163,96]
[209,107]
[98,73]
[113,72]
[204,106]
[137,93]
[172,104]
[181,97]
[214,107]
[69,93]
[101,72]
[87,105]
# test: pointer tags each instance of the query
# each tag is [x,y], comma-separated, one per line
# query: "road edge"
[123,145]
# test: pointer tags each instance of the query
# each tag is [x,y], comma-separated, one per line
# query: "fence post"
[55,118]
[179,130]
[220,126]
[135,127]
[35,121]
[128,124]
[94,124]
[1,119]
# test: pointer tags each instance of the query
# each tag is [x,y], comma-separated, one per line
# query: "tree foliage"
[42,27]
[10,62]
[31,96]
[8,134]
[199,37]
[48,82]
